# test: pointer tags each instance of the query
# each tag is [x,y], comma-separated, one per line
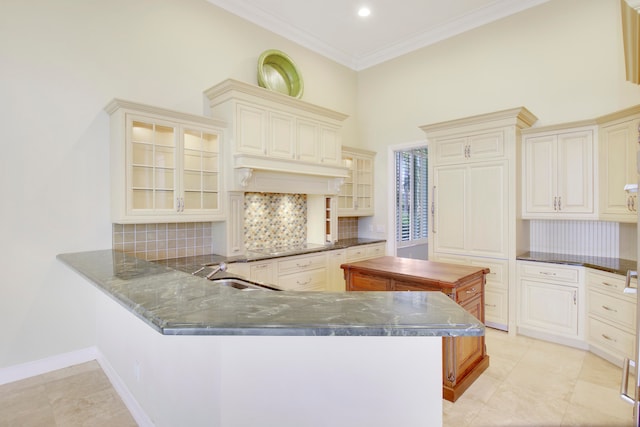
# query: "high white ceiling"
[332,27]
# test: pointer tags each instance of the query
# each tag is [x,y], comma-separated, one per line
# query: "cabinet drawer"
[364,282]
[613,309]
[498,276]
[301,263]
[374,251]
[496,305]
[312,280]
[610,338]
[611,284]
[545,271]
[467,292]
[356,253]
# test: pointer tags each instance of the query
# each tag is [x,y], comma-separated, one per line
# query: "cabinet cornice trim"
[230,88]
[520,117]
[117,104]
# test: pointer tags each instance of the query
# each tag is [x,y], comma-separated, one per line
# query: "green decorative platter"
[278,72]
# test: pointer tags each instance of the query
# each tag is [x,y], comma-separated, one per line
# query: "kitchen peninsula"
[229,357]
[464,358]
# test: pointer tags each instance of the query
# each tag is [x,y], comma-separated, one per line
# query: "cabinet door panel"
[488,145]
[307,148]
[450,227]
[330,146]
[575,172]
[550,307]
[540,174]
[487,209]
[363,282]
[251,130]
[282,136]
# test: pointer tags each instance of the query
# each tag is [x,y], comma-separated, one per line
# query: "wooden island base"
[463,358]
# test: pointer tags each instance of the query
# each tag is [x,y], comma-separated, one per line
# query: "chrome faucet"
[220,267]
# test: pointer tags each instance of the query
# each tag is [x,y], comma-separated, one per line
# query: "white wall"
[61,62]
[563,60]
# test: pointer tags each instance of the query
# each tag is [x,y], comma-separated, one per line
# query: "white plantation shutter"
[412,195]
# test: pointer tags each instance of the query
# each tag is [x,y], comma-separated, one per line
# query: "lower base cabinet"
[551,302]
[463,358]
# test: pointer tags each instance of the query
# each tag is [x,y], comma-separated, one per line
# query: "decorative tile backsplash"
[347,228]
[163,241]
[273,219]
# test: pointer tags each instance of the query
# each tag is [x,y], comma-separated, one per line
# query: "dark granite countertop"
[610,265]
[177,303]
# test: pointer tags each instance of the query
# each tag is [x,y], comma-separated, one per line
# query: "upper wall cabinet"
[356,194]
[618,135]
[558,172]
[468,148]
[165,165]
[270,131]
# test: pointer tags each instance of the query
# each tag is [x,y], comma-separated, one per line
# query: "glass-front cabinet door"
[165,165]
[153,167]
[201,168]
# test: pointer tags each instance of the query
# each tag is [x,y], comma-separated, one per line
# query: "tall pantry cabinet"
[473,164]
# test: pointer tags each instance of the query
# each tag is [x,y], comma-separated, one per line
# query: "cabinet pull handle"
[608,338]
[306,282]
[609,285]
[575,297]
[609,309]
[559,203]
[471,291]
[548,273]
[555,203]
[490,305]
[303,265]
[629,203]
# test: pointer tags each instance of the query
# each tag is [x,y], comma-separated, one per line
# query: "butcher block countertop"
[430,272]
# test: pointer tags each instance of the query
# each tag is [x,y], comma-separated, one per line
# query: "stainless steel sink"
[241,285]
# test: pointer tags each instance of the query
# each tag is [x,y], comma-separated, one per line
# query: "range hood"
[263,175]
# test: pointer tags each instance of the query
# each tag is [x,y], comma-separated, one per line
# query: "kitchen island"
[464,358]
[191,352]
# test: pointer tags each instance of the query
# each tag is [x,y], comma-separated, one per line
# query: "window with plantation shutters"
[411,196]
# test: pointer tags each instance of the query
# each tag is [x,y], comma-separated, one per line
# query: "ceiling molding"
[496,10]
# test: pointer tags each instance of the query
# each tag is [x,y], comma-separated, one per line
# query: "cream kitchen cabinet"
[335,276]
[165,165]
[558,173]
[475,147]
[274,132]
[551,302]
[496,290]
[362,252]
[356,193]
[469,209]
[303,272]
[618,145]
[611,316]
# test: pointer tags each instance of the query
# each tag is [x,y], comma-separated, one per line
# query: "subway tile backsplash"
[163,241]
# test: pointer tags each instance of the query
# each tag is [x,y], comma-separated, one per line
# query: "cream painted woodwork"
[489,145]
[229,235]
[464,198]
[558,173]
[496,290]
[165,165]
[356,193]
[551,302]
[302,272]
[473,164]
[273,132]
[263,271]
[335,275]
[611,316]
[322,219]
[363,252]
[618,146]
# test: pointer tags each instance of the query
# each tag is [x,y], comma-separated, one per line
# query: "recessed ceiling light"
[364,11]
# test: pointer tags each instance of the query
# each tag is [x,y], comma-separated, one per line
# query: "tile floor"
[536,383]
[529,383]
